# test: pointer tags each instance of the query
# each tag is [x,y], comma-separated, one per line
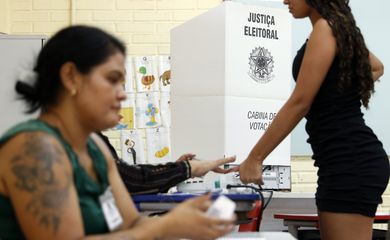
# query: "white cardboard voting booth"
[231,70]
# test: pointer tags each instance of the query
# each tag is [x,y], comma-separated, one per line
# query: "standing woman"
[58,180]
[335,74]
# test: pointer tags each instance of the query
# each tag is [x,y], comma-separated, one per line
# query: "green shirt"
[88,189]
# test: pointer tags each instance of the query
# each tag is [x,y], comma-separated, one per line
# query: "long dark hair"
[353,54]
[85,46]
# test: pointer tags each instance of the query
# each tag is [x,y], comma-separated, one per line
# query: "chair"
[254,218]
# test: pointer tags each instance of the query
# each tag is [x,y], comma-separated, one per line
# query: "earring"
[73,92]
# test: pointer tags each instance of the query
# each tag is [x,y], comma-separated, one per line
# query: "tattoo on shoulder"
[34,168]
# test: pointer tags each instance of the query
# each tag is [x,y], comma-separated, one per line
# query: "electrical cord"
[267,167]
[258,190]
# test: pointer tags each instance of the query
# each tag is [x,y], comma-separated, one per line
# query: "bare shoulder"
[103,147]
[33,145]
[322,24]
[322,38]
[322,28]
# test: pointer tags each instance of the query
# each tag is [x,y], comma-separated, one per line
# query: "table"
[165,202]
[258,236]
[286,202]
[294,221]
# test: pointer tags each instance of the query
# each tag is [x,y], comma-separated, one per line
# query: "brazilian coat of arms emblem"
[261,64]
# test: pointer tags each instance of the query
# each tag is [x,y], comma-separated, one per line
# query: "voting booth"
[231,71]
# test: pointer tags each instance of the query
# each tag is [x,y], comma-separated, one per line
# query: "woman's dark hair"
[85,46]
[353,54]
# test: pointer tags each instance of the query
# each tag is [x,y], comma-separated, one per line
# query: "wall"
[4,11]
[144,26]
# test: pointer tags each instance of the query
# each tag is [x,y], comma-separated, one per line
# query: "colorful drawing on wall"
[151,111]
[148,110]
[127,120]
[130,145]
[165,78]
[164,73]
[158,145]
[147,81]
[146,74]
[162,153]
[120,126]
[142,70]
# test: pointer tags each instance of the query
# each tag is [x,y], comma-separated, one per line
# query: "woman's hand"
[251,171]
[201,167]
[189,220]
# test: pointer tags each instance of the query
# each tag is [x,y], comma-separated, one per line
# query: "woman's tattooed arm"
[34,169]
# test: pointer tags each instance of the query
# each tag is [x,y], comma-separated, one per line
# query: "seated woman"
[147,178]
[58,180]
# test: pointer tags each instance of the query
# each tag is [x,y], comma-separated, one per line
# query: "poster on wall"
[132,147]
[148,113]
[158,145]
[145,69]
[128,113]
[164,73]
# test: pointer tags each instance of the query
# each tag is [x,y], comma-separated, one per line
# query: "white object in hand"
[222,208]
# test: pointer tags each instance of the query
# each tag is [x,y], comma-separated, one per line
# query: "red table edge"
[305,217]
[314,217]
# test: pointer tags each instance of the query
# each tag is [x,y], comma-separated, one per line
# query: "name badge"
[111,213]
